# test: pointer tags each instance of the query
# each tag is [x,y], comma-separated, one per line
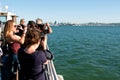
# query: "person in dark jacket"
[32,60]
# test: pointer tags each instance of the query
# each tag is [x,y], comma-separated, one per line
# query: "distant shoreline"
[86,24]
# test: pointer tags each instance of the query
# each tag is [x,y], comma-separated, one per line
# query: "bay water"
[86,52]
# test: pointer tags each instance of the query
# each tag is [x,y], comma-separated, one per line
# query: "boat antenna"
[0,6]
[6,8]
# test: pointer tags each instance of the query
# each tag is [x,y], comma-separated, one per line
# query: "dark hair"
[31,24]
[32,37]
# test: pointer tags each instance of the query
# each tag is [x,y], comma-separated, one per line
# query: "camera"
[41,26]
[20,30]
[43,29]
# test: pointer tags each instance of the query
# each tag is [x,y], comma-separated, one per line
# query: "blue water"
[86,53]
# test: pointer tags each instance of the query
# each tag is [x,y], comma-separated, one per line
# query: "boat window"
[3,19]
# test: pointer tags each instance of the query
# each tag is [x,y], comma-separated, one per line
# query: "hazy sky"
[77,11]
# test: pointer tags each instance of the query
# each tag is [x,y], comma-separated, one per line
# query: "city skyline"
[73,11]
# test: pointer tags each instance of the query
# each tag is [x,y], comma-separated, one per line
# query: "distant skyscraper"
[55,22]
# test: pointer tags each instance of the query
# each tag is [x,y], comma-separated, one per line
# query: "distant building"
[55,22]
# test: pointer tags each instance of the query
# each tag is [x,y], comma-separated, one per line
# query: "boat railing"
[50,71]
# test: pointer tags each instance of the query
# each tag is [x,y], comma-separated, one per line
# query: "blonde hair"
[8,28]
[38,19]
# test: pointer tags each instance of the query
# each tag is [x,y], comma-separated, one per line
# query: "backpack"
[48,54]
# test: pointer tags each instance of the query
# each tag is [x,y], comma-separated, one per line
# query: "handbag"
[5,49]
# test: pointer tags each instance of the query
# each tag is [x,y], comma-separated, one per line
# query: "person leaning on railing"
[44,29]
[32,60]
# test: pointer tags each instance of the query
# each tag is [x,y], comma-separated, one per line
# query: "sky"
[74,11]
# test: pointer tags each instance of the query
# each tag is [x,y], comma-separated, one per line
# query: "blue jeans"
[9,68]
